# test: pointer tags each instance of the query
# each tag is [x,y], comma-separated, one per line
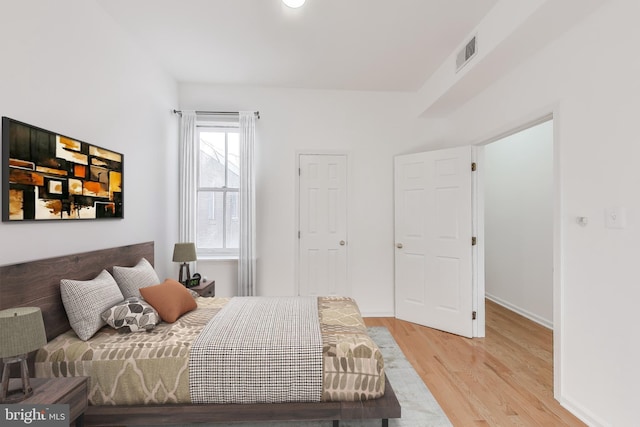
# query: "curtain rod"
[217,113]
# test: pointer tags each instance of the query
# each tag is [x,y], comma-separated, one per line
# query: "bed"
[37,283]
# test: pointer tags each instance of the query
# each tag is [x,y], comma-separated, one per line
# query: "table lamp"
[21,332]
[184,253]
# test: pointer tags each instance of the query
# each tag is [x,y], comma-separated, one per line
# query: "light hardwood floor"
[503,379]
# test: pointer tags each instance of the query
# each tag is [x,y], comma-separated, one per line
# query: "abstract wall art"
[48,176]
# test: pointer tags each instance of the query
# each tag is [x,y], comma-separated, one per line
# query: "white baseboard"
[531,316]
[584,415]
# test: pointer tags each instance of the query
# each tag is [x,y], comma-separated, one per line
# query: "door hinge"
[298,234]
[474,315]
[299,171]
[473,167]
[474,240]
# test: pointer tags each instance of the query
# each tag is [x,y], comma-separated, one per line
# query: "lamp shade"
[184,252]
[21,331]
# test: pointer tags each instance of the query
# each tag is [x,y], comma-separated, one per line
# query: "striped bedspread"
[259,350]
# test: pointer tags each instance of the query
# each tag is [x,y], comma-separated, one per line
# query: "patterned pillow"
[131,279]
[132,315]
[85,300]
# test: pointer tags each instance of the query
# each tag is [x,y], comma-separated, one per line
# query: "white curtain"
[246,256]
[188,146]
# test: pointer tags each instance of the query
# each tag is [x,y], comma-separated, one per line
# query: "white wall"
[370,127]
[223,272]
[69,69]
[589,79]
[518,243]
[66,67]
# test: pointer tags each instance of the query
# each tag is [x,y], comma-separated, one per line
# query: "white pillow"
[131,279]
[85,300]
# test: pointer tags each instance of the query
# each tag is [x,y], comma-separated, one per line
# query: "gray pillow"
[131,279]
[132,315]
[85,300]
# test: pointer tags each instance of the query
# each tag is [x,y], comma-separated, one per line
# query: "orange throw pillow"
[170,299]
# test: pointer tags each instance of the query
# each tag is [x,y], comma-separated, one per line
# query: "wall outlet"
[615,218]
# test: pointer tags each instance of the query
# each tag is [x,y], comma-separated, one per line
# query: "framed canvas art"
[48,176]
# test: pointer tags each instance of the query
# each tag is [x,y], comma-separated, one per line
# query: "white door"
[433,237]
[322,236]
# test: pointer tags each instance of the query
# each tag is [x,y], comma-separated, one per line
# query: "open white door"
[433,236]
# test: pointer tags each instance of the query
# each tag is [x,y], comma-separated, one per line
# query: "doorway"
[535,312]
[551,249]
[518,188]
[515,225]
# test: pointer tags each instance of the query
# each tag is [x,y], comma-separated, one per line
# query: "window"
[217,226]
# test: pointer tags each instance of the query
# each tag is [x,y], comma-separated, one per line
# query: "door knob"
[342,243]
[399,245]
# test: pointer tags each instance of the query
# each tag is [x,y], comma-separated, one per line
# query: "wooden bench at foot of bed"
[383,408]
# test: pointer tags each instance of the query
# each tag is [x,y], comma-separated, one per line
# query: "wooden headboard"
[37,283]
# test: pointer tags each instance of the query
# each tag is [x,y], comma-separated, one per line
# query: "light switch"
[615,218]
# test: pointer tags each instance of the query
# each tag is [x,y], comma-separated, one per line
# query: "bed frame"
[37,283]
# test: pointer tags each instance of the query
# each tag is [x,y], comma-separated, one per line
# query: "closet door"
[322,268]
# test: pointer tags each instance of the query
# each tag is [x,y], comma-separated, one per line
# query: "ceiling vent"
[466,53]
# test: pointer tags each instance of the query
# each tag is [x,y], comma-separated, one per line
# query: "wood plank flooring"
[503,379]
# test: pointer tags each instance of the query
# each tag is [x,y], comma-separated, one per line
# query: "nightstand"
[72,391]
[206,289]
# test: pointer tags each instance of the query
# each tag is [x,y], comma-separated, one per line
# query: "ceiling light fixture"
[293,3]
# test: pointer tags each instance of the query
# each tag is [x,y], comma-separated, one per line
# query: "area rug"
[419,407]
